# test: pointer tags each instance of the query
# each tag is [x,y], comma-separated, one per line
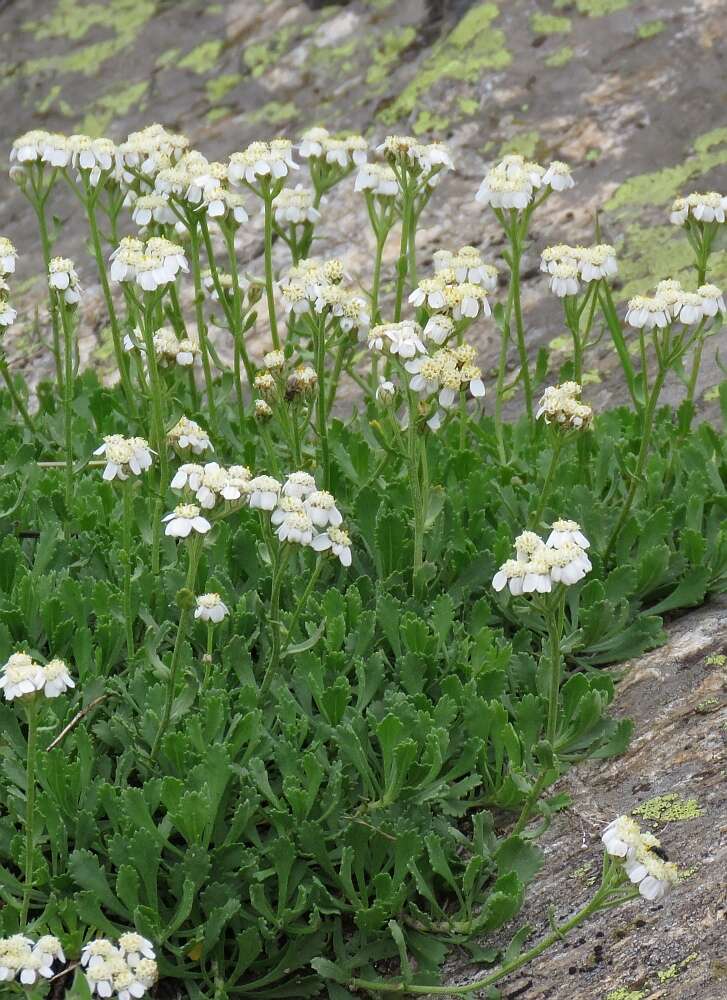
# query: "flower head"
[210,608]
[8,256]
[561,405]
[124,456]
[337,541]
[56,679]
[63,279]
[184,519]
[262,160]
[539,565]
[21,676]
[294,206]
[188,435]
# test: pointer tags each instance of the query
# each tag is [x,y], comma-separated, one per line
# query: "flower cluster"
[295,206]
[151,265]
[403,339]
[567,266]
[561,405]
[212,483]
[122,971]
[37,146]
[150,150]
[377,178]
[710,207]
[468,266]
[26,961]
[272,160]
[623,839]
[148,208]
[671,302]
[319,144]
[169,349]
[63,279]
[22,676]
[538,565]
[513,181]
[188,435]
[124,456]
[8,256]
[446,372]
[185,519]
[443,293]
[425,159]
[210,608]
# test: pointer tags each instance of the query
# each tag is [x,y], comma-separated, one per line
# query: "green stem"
[530,802]
[274,618]
[269,287]
[208,657]
[158,428]
[121,359]
[39,206]
[321,412]
[480,984]
[15,396]
[194,552]
[290,628]
[646,432]
[402,266]
[520,330]
[32,712]
[336,376]
[547,483]
[128,518]
[199,315]
[555,630]
[67,399]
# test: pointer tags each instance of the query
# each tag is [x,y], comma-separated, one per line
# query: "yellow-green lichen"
[662,186]
[550,24]
[386,54]
[203,57]
[584,874]
[273,113]
[259,56]
[526,144]
[716,659]
[623,993]
[599,8]
[649,253]
[427,121]
[472,47]
[219,86]
[560,57]
[114,105]
[650,28]
[671,972]
[468,106]
[668,808]
[70,20]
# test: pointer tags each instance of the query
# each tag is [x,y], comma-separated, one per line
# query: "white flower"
[50,948]
[127,985]
[124,456]
[558,176]
[322,509]
[597,262]
[264,492]
[147,972]
[385,390]
[624,840]
[170,349]
[21,676]
[538,566]
[337,540]
[712,300]
[8,256]
[429,292]
[183,520]
[566,531]
[62,278]
[439,328]
[568,563]
[379,179]
[709,207]
[210,608]
[295,206]
[94,155]
[189,475]
[152,208]
[100,975]
[296,527]
[7,313]
[286,506]
[262,159]
[263,410]
[644,312]
[299,484]
[689,309]
[402,338]
[214,483]
[561,404]
[654,876]
[188,434]
[564,280]
[559,253]
[56,679]
[97,950]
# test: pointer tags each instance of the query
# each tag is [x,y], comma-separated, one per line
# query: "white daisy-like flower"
[379,179]
[566,531]
[274,361]
[561,405]
[214,482]
[321,507]
[62,278]
[50,948]
[559,253]
[21,676]
[262,160]
[294,206]
[429,292]
[210,608]
[564,280]
[188,475]
[712,300]
[296,527]
[97,951]
[219,203]
[654,876]
[56,679]
[183,520]
[337,540]
[709,207]
[286,505]
[124,456]
[645,313]
[152,208]
[402,339]
[97,156]
[385,390]
[147,972]
[568,563]
[264,492]
[510,574]
[187,434]
[558,176]
[100,975]
[597,262]
[689,309]
[679,212]
[439,328]
[8,256]
[299,484]
[7,313]
[127,985]
[170,349]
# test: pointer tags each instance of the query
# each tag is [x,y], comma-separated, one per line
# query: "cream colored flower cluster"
[187,435]
[8,256]
[513,182]
[124,456]
[150,150]
[123,971]
[212,483]
[538,565]
[427,160]
[316,285]
[672,303]
[446,373]
[22,676]
[295,206]
[25,961]
[402,339]
[561,405]
[269,160]
[623,839]
[63,279]
[318,144]
[567,266]
[709,207]
[151,265]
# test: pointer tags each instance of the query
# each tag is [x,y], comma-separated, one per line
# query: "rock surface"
[629,91]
